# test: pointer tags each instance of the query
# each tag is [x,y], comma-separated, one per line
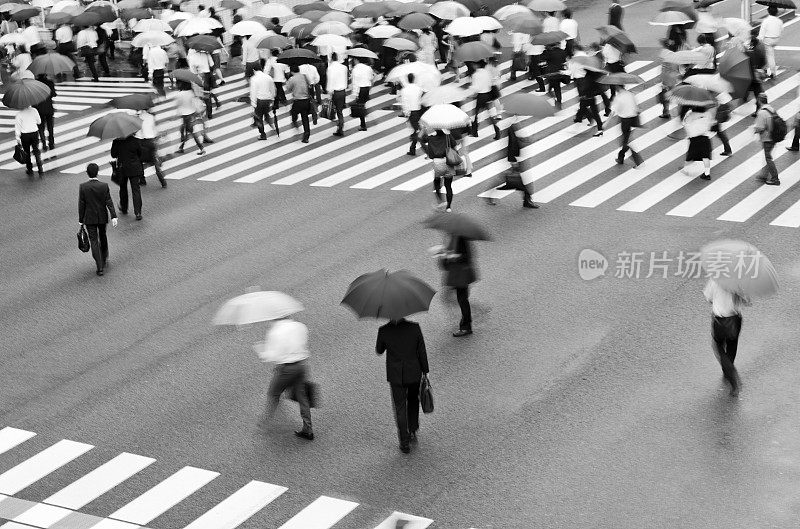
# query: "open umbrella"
[138,101]
[276,10]
[13,38]
[684,6]
[444,116]
[736,26]
[298,56]
[364,53]
[114,125]
[489,23]
[135,4]
[186,75]
[384,294]
[370,10]
[236,4]
[313,6]
[426,76]
[152,24]
[337,16]
[302,31]
[66,5]
[622,42]
[9,7]
[205,43]
[592,63]
[780,4]
[25,93]
[524,104]
[547,5]
[548,37]
[246,28]
[106,13]
[409,7]
[740,268]
[671,18]
[272,42]
[512,11]
[315,15]
[331,41]
[347,5]
[255,307]
[681,57]
[293,23]
[331,28]
[620,78]
[706,3]
[524,24]
[152,38]
[448,93]
[51,64]
[25,13]
[86,19]
[464,27]
[458,224]
[416,21]
[400,44]
[138,13]
[448,10]
[734,67]
[57,18]
[692,96]
[712,82]
[474,51]
[384,31]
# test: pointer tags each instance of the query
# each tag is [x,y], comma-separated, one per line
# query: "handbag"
[83,240]
[20,156]
[327,111]
[312,393]
[519,62]
[116,177]
[425,394]
[451,156]
[357,110]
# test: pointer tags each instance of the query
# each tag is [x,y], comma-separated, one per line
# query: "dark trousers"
[30,143]
[150,147]
[462,296]
[554,85]
[722,137]
[47,125]
[535,70]
[363,97]
[413,120]
[302,107]
[249,68]
[755,87]
[64,49]
[627,125]
[405,398]
[136,193]
[262,113]
[89,58]
[725,334]
[314,100]
[570,47]
[101,57]
[292,376]
[338,98]
[587,108]
[615,67]
[448,188]
[99,243]
[158,82]
[664,100]
[280,95]
[770,171]
[796,140]
[187,128]
[482,102]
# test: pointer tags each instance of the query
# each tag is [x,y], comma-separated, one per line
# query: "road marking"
[166,494]
[323,513]
[35,468]
[415,522]
[238,507]
[762,197]
[11,437]
[41,515]
[789,218]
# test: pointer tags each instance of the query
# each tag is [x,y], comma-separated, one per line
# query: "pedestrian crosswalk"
[83,94]
[565,161]
[61,509]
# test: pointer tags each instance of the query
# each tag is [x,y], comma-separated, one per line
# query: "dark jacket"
[556,58]
[436,145]
[45,108]
[94,203]
[406,358]
[757,54]
[128,152]
[459,271]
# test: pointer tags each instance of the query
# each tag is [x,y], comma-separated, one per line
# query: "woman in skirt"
[698,123]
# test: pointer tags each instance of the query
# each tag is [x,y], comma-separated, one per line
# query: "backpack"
[778,128]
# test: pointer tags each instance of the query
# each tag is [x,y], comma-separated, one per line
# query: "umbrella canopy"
[298,56]
[416,21]
[426,76]
[681,57]
[671,18]
[622,42]
[106,13]
[315,15]
[473,51]
[448,10]
[331,41]
[293,23]
[547,5]
[592,63]
[688,95]
[458,224]
[8,7]
[186,75]
[464,27]
[740,268]
[684,6]
[57,18]
[25,93]
[313,6]
[196,26]
[51,64]
[205,43]
[736,26]
[734,67]
[706,3]
[302,31]
[548,37]
[133,4]
[138,13]
[781,4]
[246,28]
[25,13]
[86,19]
[512,11]
[133,101]
[448,93]
[114,125]
[363,53]
[276,10]
[400,44]
[13,38]
[337,16]
[152,24]
[444,116]
[370,10]
[65,5]
[255,307]
[410,7]
[524,24]
[152,38]
[236,4]
[272,42]
[385,31]
[384,294]
[713,83]
[347,5]
[489,23]
[331,28]
[40,3]
[620,79]
[524,104]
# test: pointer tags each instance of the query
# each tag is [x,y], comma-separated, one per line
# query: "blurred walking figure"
[410,100]
[721,115]
[65,46]
[186,107]
[485,93]
[86,41]
[770,33]
[726,324]
[103,42]
[436,145]
[157,61]
[94,207]
[698,123]
[569,26]
[615,14]
[456,261]
[406,361]
[765,128]
[46,114]
[795,146]
[262,95]
[286,345]
[148,137]
[624,105]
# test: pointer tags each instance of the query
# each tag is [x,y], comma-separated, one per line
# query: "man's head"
[772,10]
[411,78]
[567,13]
[294,68]
[275,21]
[334,57]
[92,170]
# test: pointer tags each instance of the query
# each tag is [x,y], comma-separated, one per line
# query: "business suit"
[128,153]
[46,113]
[94,206]
[406,361]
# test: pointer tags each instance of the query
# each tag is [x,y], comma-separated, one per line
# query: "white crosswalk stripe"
[377,159]
[61,509]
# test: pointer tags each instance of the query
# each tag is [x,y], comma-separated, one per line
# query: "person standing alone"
[94,207]
[406,361]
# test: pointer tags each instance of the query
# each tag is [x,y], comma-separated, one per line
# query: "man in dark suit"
[406,361]
[128,155]
[94,199]
[615,12]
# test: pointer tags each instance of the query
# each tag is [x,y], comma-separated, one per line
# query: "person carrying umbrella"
[148,137]
[555,58]
[770,33]
[201,63]
[26,131]
[46,114]
[726,324]
[186,107]
[587,102]
[624,105]
[670,76]
[86,41]
[485,93]
[707,66]
[300,90]
[721,115]
[278,71]
[427,46]
[459,273]
[613,59]
[615,14]
[436,146]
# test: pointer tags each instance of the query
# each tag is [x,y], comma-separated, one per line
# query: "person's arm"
[761,122]
[110,207]
[380,345]
[18,127]
[253,98]
[422,354]
[115,149]
[81,205]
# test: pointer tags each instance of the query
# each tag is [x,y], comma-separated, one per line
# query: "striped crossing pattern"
[83,94]
[61,509]
[563,158]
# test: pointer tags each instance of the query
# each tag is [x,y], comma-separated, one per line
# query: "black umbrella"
[133,101]
[707,3]
[782,4]
[51,64]
[185,75]
[25,93]
[25,13]
[204,43]
[458,224]
[86,19]
[385,294]
[298,56]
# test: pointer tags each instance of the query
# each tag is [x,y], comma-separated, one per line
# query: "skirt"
[699,149]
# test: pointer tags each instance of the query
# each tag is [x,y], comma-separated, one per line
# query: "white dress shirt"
[184,102]
[249,51]
[286,342]
[362,76]
[708,52]
[157,59]
[27,120]
[576,71]
[336,77]
[549,24]
[611,54]
[63,34]
[624,104]
[86,37]
[570,27]
[148,130]
[520,41]
[311,73]
[723,303]
[31,35]
[771,28]
[262,87]
[277,70]
[481,81]
[410,98]
[199,62]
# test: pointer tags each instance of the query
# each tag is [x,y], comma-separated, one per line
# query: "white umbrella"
[383,31]
[65,5]
[151,38]
[331,28]
[13,38]
[274,9]
[43,3]
[736,26]
[464,27]
[194,26]
[246,28]
[507,12]
[255,307]
[426,76]
[293,23]
[712,82]
[344,5]
[439,117]
[448,10]
[152,24]
[177,15]
[331,41]
[489,23]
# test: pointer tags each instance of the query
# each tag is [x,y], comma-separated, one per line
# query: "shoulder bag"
[451,156]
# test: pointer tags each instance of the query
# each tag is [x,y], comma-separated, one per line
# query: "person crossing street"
[411,102]
[336,86]
[94,207]
[262,96]
[300,91]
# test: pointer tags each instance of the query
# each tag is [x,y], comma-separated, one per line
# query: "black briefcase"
[83,240]
[20,156]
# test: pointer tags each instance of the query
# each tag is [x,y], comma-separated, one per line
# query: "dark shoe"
[362,129]
[598,134]
[122,211]
[201,152]
[180,151]
[705,177]
[139,216]
[305,435]
[528,204]
[607,112]
[637,160]
[163,185]
[41,174]
[143,182]
[773,182]
[29,172]
[496,134]
[52,146]
[338,133]
[539,90]
[793,149]
[405,448]
[262,137]
[208,140]
[313,120]
[620,161]
[725,153]
[305,140]
[413,437]
[222,83]
[412,153]
[99,272]
[665,116]
[462,332]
